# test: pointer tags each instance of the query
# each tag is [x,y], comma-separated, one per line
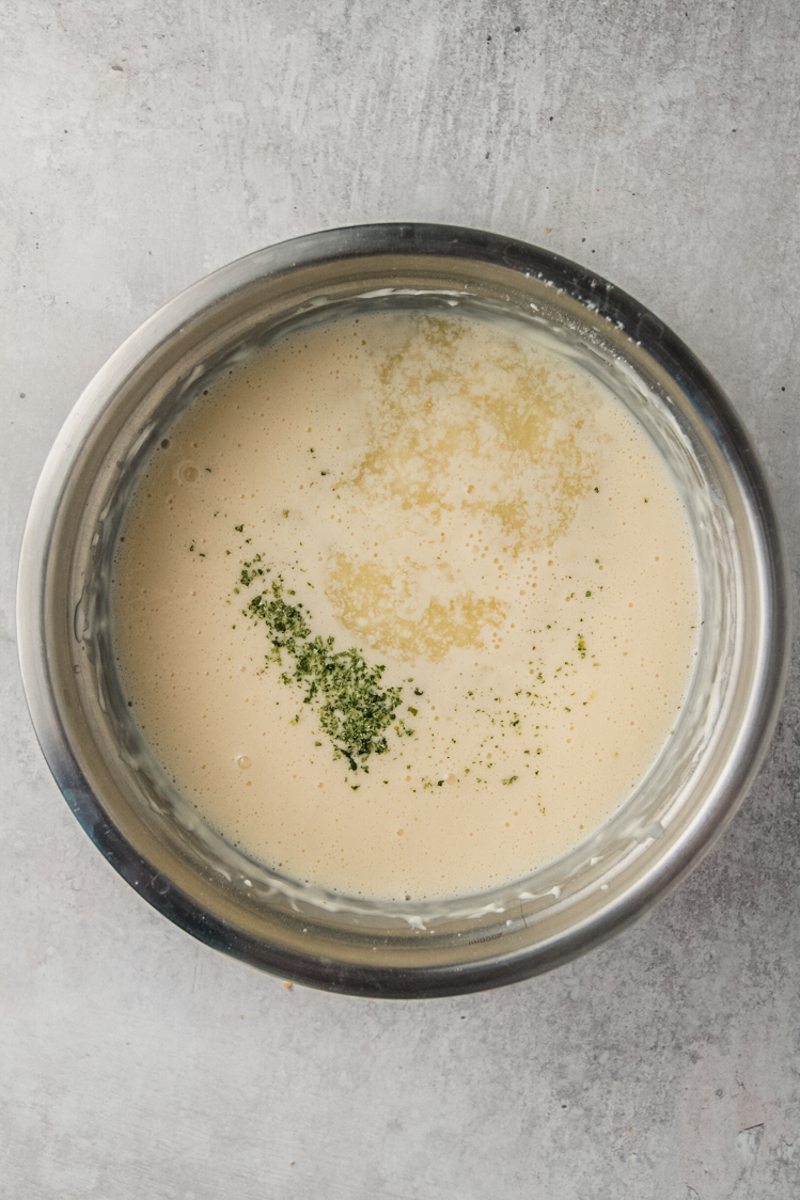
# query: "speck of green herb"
[597,489]
[354,708]
[191,548]
[286,512]
[509,780]
[251,570]
[581,645]
[412,710]
[324,472]
[239,528]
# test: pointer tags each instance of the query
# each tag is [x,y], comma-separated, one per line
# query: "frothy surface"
[465,508]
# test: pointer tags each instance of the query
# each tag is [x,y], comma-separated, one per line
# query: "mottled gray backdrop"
[143,144]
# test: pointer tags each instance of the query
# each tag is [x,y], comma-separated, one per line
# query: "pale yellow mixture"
[463,506]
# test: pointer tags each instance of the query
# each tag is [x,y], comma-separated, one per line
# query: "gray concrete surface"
[143,144]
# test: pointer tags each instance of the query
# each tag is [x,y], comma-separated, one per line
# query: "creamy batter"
[487,534]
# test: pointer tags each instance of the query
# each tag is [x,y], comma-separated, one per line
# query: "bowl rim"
[434,241]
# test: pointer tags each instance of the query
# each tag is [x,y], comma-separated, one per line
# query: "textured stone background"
[143,144]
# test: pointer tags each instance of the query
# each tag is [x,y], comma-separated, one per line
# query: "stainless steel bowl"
[154,838]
